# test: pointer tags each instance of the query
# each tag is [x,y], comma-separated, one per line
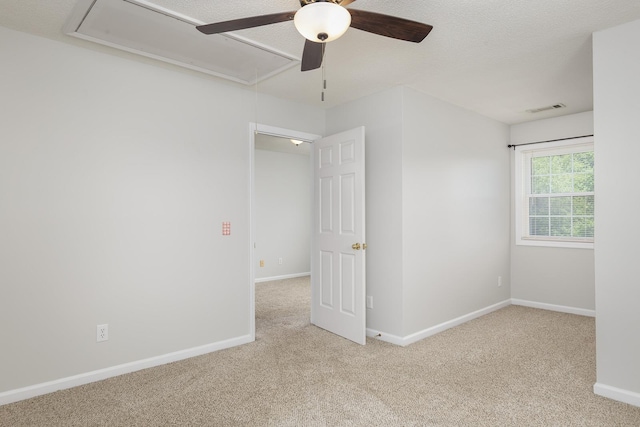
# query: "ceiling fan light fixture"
[322,22]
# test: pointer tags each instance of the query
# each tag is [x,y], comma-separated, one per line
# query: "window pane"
[583,205]
[561,205]
[583,162]
[561,183]
[561,164]
[583,227]
[583,182]
[539,206]
[541,166]
[539,226]
[540,185]
[561,226]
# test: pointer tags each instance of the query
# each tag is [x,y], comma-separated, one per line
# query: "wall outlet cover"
[102,333]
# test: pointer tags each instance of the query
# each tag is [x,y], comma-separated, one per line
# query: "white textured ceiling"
[496,57]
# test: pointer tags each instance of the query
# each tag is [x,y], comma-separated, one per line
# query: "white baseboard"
[410,339]
[114,371]
[382,336]
[621,395]
[286,276]
[64,383]
[553,307]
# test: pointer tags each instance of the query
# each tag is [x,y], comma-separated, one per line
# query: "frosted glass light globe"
[322,22]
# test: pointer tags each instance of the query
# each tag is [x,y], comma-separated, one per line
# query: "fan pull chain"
[324,78]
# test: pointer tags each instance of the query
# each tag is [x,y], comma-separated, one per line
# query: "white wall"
[455,186]
[555,276]
[115,177]
[423,157]
[282,213]
[381,114]
[617,270]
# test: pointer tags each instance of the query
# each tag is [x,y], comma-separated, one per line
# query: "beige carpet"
[514,367]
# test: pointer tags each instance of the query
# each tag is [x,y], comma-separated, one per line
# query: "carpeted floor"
[514,367]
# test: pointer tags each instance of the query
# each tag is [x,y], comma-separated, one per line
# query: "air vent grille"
[548,108]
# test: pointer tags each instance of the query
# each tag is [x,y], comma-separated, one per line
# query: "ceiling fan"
[322,21]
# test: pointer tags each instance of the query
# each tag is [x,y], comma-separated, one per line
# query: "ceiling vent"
[550,107]
[141,27]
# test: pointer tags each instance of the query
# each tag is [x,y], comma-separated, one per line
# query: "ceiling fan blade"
[312,55]
[346,2]
[242,23]
[389,26]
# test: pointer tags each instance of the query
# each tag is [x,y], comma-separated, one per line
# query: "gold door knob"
[356,246]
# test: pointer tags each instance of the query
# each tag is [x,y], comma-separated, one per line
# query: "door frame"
[272,131]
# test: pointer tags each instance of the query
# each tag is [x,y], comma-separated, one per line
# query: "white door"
[338,239]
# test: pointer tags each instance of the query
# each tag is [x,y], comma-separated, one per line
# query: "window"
[555,194]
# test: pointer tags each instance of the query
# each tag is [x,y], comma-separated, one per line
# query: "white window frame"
[523,155]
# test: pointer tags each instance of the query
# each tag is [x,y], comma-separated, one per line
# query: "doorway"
[281,206]
[282,182]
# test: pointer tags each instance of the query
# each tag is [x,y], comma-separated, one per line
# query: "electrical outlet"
[261,263]
[280,261]
[370,302]
[499,281]
[102,333]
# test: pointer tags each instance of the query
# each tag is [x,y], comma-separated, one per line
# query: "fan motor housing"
[306,2]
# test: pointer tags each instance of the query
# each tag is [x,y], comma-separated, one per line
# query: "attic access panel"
[141,27]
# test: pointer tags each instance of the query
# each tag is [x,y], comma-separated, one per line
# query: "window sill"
[554,243]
